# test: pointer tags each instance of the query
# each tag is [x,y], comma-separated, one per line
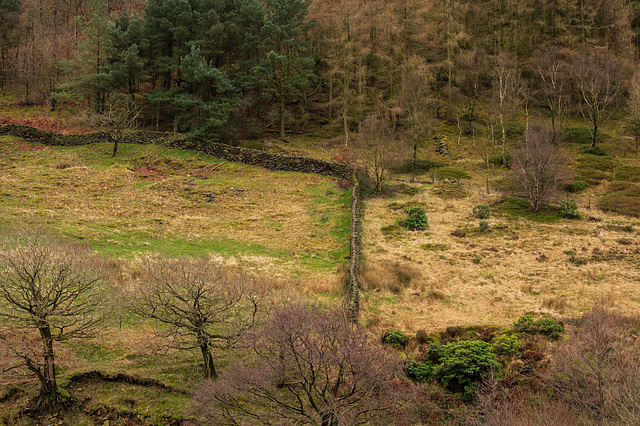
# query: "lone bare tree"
[377,148]
[537,166]
[599,77]
[48,288]
[306,366]
[204,304]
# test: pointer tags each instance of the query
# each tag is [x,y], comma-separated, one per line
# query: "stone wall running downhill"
[249,156]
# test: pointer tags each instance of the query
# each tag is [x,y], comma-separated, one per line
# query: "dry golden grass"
[519,266]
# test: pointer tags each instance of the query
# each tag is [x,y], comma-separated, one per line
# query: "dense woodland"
[224,70]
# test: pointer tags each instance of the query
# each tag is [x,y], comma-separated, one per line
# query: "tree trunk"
[115,147]
[415,155]
[504,141]
[48,385]
[281,105]
[209,367]
[595,133]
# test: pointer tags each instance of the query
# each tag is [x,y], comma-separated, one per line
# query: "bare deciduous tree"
[306,366]
[415,100]
[633,110]
[51,288]
[508,88]
[596,368]
[537,166]
[204,304]
[552,75]
[377,148]
[599,77]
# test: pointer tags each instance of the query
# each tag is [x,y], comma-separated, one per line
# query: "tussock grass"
[523,267]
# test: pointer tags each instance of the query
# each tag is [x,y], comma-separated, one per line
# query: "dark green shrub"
[569,209]
[464,363]
[420,371]
[588,163]
[506,344]
[416,219]
[550,327]
[483,226]
[578,135]
[422,166]
[477,260]
[594,150]
[434,353]
[577,186]
[481,211]
[395,338]
[451,173]
[497,160]
[545,325]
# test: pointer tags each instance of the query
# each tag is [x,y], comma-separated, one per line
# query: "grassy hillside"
[153,199]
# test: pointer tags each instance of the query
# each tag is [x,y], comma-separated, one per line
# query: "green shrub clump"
[577,186]
[464,363]
[569,209]
[506,344]
[420,371]
[416,219]
[545,325]
[481,211]
[483,226]
[395,338]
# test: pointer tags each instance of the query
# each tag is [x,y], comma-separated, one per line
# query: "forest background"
[223,70]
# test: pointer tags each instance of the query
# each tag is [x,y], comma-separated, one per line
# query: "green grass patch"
[520,207]
[434,247]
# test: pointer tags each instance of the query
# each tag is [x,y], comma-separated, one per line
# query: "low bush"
[464,363]
[481,211]
[395,338]
[498,161]
[506,344]
[578,135]
[594,150]
[451,173]
[420,371]
[416,219]
[483,226]
[545,325]
[569,209]
[590,162]
[422,166]
[577,186]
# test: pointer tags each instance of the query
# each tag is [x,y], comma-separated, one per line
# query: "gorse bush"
[420,371]
[506,344]
[416,219]
[395,338]
[483,226]
[545,325]
[569,209]
[481,211]
[464,363]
